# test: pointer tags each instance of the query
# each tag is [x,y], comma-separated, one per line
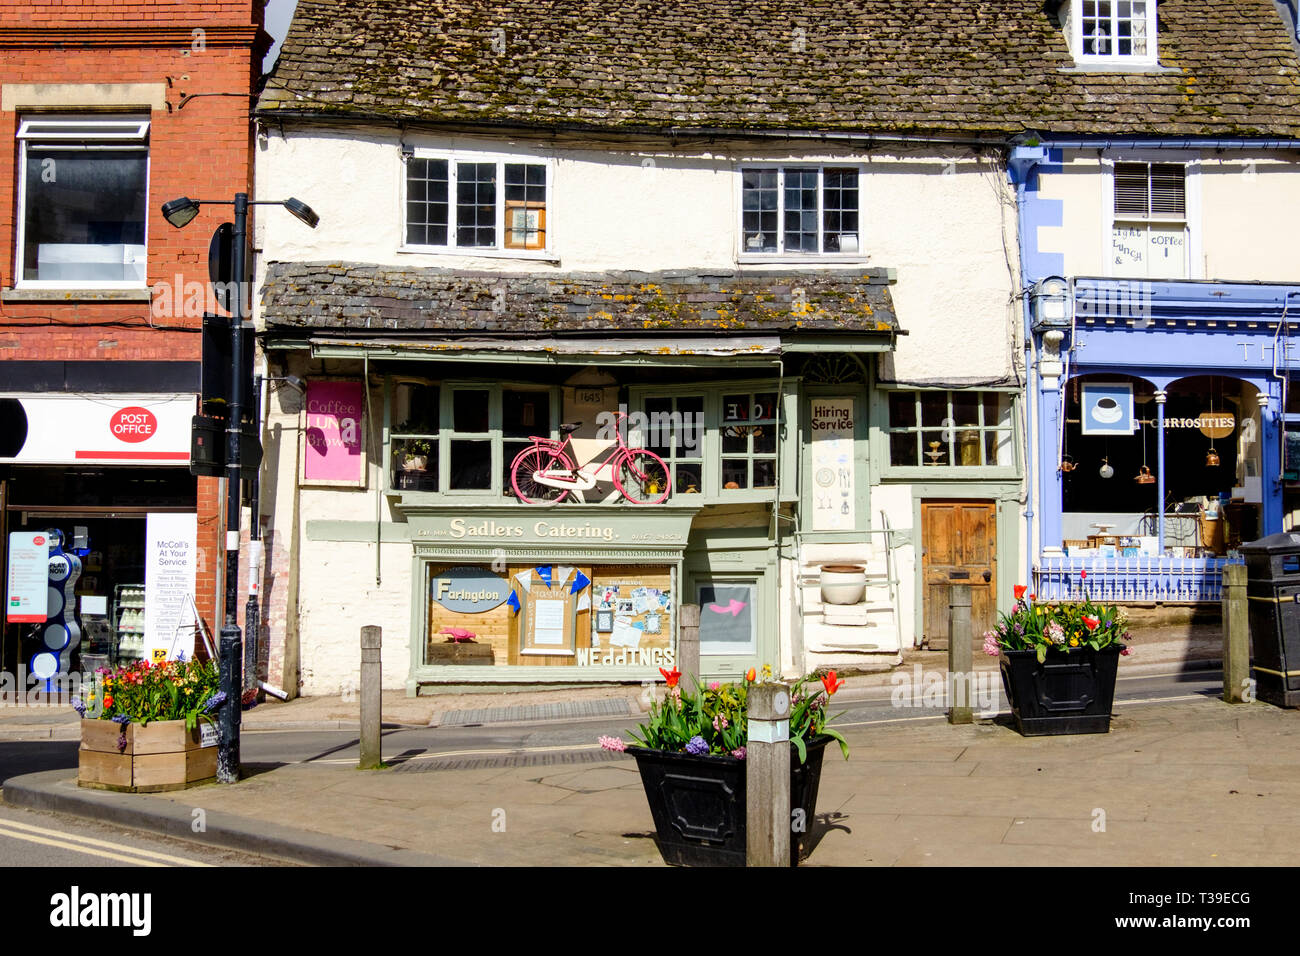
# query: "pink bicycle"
[545,471]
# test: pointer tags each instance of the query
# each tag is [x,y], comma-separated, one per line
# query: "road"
[40,839]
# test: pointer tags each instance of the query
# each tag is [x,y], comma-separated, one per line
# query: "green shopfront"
[411,515]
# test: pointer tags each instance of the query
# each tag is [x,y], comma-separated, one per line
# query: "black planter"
[1069,693]
[698,803]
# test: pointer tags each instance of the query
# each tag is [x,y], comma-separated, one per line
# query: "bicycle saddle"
[570,427]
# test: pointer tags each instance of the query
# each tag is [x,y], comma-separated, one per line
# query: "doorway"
[958,536]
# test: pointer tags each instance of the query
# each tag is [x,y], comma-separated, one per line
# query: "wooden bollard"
[1236,635]
[767,776]
[960,663]
[688,645]
[372,639]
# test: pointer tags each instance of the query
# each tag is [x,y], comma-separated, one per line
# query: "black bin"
[1273,594]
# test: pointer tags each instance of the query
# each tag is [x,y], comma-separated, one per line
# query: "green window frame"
[928,430]
[749,440]
[451,422]
[713,451]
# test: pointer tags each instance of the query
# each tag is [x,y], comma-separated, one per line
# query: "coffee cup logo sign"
[133,424]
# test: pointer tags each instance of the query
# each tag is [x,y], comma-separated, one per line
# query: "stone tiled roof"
[972,66]
[352,297]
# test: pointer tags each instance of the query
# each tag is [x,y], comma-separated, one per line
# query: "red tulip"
[672,676]
[1083,575]
[751,675]
[1091,623]
[830,683]
[1033,597]
[1019,591]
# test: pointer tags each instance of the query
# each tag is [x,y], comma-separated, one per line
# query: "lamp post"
[179,213]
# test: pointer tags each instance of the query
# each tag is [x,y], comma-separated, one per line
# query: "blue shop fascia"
[1159,419]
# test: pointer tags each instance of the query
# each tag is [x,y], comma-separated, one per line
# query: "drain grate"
[521,758]
[561,710]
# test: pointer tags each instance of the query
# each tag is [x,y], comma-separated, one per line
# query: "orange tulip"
[672,676]
[830,683]
[1019,591]
[750,675]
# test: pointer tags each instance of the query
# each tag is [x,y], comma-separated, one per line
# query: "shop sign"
[469,590]
[549,531]
[108,429]
[832,464]
[1108,408]
[28,596]
[171,565]
[627,657]
[334,434]
[1210,424]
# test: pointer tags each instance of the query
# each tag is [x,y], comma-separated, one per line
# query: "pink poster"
[334,433]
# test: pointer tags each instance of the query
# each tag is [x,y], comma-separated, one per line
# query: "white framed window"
[83,194]
[800,210]
[951,429]
[1115,32]
[476,203]
[1151,213]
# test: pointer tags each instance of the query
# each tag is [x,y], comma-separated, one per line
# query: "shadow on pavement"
[20,757]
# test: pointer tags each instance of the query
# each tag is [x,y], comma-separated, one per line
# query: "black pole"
[252,608]
[230,663]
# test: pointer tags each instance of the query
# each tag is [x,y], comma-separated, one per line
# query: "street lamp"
[180,213]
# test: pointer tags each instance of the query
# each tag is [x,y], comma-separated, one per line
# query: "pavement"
[1190,782]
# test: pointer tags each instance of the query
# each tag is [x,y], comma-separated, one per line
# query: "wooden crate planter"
[162,755]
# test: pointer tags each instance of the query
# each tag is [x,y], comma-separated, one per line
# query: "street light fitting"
[180,212]
[302,212]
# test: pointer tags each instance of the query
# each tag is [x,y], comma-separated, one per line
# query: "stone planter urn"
[843,583]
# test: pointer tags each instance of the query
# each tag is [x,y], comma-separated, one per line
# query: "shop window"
[470,442]
[518,614]
[448,437]
[749,440]
[415,439]
[471,203]
[1113,32]
[1149,235]
[963,429]
[82,197]
[674,430]
[728,623]
[799,210]
[524,415]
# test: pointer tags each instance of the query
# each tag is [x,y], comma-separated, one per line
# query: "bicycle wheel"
[526,464]
[642,477]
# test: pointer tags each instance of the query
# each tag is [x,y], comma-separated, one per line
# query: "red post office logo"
[134,424]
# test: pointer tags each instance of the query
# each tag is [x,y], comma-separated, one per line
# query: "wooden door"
[958,536]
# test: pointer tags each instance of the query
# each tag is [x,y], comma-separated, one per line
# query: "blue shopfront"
[1158,432]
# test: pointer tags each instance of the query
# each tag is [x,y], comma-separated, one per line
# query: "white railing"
[1133,579]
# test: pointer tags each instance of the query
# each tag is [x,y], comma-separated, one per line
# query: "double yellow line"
[89,845]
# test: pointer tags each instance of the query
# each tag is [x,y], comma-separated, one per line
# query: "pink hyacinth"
[720,723]
[716,685]
[615,744]
[739,753]
[991,647]
[1124,653]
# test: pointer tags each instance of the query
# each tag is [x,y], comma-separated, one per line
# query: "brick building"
[111,109]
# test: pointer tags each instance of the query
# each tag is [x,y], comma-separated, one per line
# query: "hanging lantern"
[1211,458]
[1106,471]
[1067,464]
[1144,477]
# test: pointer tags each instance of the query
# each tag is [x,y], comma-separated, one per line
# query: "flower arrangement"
[714,720]
[145,692]
[1064,627]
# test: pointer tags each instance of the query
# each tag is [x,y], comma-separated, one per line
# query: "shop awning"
[640,350]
